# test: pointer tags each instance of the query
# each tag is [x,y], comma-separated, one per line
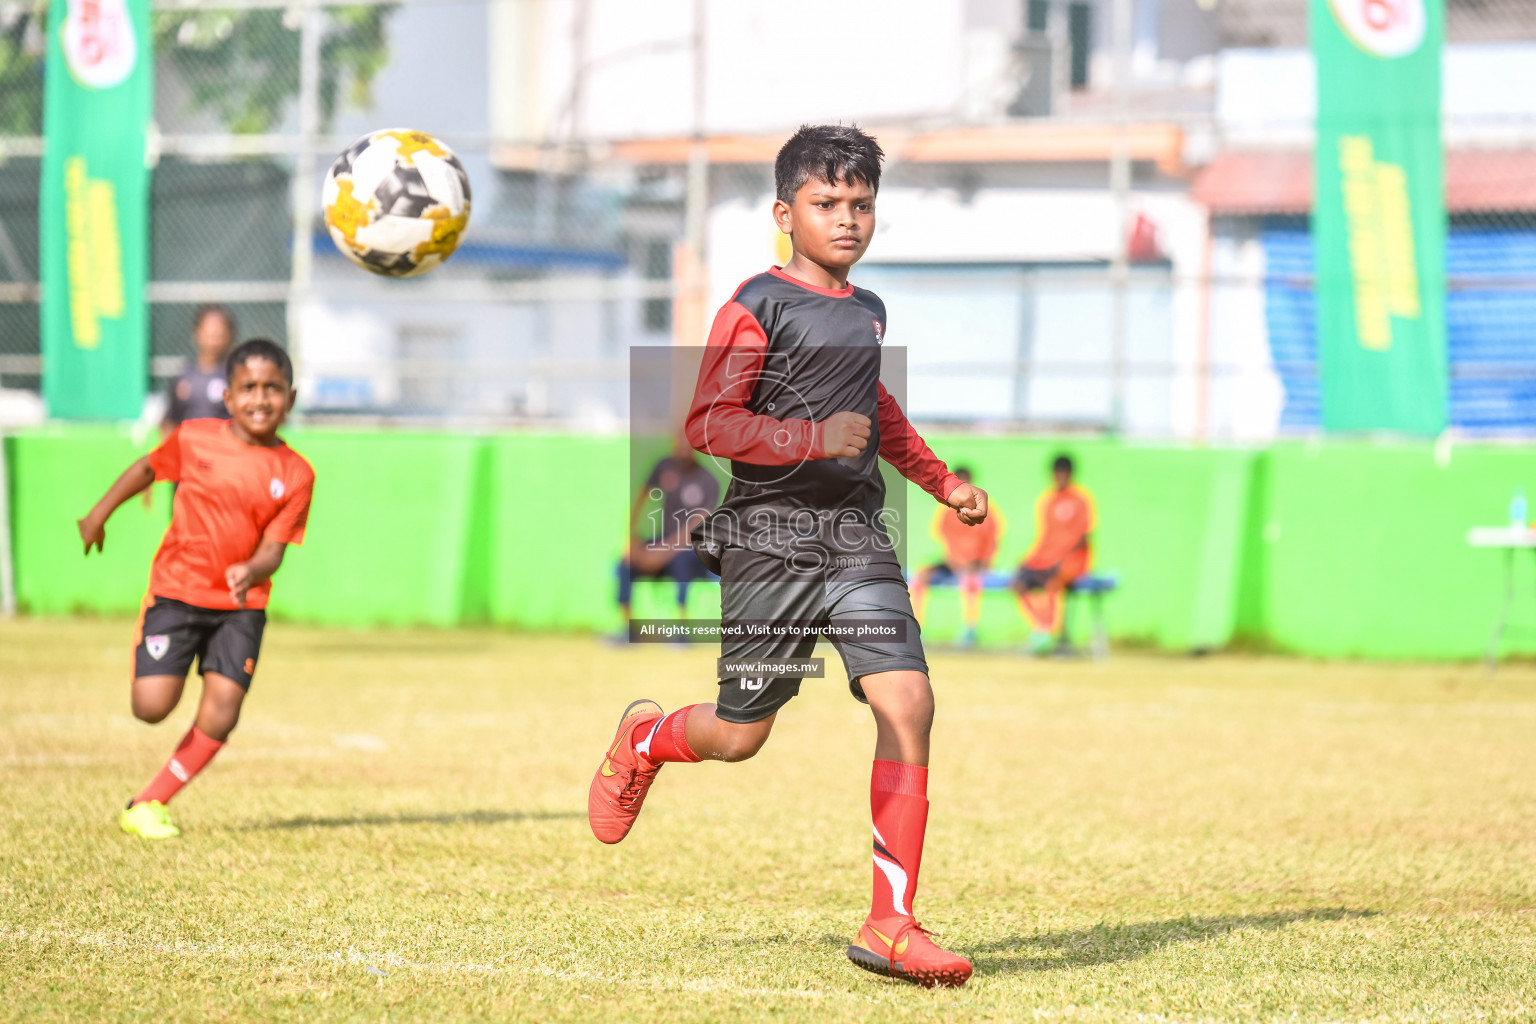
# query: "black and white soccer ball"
[397,202]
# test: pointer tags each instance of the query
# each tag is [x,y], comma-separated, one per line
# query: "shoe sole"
[874,963]
[629,711]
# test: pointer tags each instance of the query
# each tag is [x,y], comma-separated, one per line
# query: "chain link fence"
[1048,252]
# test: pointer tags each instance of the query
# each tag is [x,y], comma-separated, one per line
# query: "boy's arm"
[287,527]
[242,576]
[134,479]
[903,447]
[1040,523]
[720,424]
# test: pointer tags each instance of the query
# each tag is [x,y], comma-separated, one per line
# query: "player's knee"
[223,714]
[217,721]
[922,716]
[151,711]
[741,743]
[917,705]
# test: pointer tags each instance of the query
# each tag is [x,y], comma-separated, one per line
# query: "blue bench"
[1094,584]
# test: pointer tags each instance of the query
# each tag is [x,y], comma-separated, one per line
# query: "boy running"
[243,497]
[789,390]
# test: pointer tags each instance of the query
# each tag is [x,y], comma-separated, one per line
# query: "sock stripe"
[668,739]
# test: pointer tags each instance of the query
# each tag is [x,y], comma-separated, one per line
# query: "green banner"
[1378,214]
[94,230]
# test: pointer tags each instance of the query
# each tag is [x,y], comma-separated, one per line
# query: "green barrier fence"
[56,476]
[1169,524]
[1330,549]
[390,531]
[560,504]
[1361,550]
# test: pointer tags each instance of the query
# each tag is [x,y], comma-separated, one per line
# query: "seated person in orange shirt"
[1061,554]
[968,551]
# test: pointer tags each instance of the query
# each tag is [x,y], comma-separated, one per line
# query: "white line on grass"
[53,760]
[355,957]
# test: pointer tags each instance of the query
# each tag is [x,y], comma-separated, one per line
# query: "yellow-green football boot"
[149,819]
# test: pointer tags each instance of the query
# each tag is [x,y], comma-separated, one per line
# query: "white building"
[999,232]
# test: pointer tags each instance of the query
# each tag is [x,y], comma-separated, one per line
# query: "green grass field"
[397,832]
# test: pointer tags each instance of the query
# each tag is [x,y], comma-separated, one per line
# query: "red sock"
[898,803]
[192,755]
[668,739]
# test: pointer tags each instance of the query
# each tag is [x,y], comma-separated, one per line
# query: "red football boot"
[908,954]
[623,779]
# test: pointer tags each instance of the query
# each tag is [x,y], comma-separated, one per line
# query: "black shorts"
[1034,579]
[940,574]
[172,633]
[837,596]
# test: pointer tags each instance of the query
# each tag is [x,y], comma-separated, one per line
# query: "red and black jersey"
[782,357]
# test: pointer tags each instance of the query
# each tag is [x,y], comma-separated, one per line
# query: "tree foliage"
[242,65]
[21,67]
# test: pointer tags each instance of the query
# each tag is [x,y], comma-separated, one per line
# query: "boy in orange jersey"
[968,551]
[243,498]
[1066,518]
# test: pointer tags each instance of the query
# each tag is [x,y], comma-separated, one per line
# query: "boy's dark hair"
[1063,462]
[258,348]
[963,472]
[208,309]
[827,152]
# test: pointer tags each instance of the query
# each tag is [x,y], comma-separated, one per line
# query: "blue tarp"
[1490,312]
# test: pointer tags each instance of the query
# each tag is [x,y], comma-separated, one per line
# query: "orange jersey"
[1065,519]
[967,545]
[230,496]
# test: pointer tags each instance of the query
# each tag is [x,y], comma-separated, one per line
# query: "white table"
[1510,539]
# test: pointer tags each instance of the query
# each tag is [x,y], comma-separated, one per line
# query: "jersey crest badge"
[157,646]
[277,489]
[879,333]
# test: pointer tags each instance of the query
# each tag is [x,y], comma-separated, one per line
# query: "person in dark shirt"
[687,492]
[198,393]
[789,390]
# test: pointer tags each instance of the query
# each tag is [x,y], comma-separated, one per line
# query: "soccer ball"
[396,202]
